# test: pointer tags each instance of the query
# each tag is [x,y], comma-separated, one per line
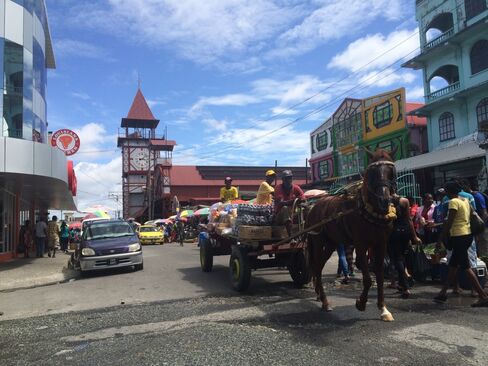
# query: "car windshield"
[105,230]
[148,229]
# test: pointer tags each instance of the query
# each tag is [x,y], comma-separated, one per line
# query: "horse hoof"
[327,308]
[387,318]
[361,306]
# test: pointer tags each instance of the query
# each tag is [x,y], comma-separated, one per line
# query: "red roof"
[139,108]
[415,120]
[188,175]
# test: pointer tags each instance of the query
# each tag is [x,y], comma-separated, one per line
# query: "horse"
[363,219]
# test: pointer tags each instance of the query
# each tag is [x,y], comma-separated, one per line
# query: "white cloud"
[362,53]
[75,48]
[225,100]
[96,180]
[216,125]
[386,78]
[82,96]
[95,143]
[415,94]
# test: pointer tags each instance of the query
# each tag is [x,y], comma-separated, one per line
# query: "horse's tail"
[310,256]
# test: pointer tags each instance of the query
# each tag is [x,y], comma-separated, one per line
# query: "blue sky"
[217,73]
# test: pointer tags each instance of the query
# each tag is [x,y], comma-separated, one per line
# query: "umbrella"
[150,222]
[162,221]
[315,193]
[75,225]
[99,208]
[172,217]
[186,213]
[236,202]
[202,212]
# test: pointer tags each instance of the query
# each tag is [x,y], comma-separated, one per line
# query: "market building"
[454,63]
[381,121]
[34,176]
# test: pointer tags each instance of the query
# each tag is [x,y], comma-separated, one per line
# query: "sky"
[234,82]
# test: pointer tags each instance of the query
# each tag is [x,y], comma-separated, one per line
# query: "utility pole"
[117,197]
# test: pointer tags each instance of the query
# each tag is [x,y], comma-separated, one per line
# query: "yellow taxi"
[150,234]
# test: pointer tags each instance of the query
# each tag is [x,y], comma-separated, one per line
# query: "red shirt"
[281,195]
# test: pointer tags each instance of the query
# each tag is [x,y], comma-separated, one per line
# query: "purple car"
[108,244]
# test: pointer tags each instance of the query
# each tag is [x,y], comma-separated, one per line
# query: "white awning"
[448,155]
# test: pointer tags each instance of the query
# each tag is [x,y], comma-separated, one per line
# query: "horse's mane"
[381,155]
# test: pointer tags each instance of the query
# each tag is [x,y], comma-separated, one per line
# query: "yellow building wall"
[378,104]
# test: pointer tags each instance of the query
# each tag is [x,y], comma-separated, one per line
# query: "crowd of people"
[45,237]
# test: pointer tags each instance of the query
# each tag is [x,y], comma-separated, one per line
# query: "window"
[324,169]
[474,7]
[479,56]
[321,140]
[446,126]
[382,115]
[482,111]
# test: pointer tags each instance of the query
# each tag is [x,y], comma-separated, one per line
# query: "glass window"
[479,56]
[382,115]
[446,126]
[322,140]
[474,7]
[482,111]
[39,69]
[324,169]
[13,93]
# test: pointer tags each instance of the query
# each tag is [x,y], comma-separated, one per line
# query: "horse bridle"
[391,185]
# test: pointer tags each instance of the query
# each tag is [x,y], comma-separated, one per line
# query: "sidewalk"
[32,272]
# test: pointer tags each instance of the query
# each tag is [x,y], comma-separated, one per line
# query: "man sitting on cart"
[285,194]
[229,192]
[266,190]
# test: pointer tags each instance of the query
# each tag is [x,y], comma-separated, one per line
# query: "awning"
[448,155]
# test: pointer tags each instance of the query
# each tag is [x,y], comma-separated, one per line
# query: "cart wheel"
[240,271]
[206,256]
[299,270]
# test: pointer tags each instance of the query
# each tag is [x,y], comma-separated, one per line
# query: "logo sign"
[66,141]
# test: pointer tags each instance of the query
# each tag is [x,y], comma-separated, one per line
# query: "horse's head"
[380,179]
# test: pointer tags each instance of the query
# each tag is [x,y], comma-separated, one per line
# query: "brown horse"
[362,218]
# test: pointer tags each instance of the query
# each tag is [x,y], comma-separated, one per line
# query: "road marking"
[447,338]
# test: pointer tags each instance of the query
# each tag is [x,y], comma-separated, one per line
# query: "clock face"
[140,159]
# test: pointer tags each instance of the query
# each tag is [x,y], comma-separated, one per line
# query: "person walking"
[425,220]
[64,236]
[41,235]
[456,235]
[52,236]
[27,237]
[398,244]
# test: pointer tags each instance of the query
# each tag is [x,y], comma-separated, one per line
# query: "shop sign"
[66,141]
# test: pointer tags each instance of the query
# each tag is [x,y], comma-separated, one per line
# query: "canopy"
[75,225]
[162,221]
[186,213]
[202,212]
[315,193]
[95,215]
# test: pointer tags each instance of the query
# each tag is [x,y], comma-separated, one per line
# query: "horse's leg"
[326,253]
[362,260]
[319,256]
[379,257]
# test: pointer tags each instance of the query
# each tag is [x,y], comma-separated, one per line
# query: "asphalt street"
[173,314]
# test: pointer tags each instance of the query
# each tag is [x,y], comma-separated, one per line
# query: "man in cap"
[265,192]
[285,194]
[228,192]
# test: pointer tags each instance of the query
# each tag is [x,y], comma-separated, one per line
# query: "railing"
[164,161]
[16,133]
[443,92]
[441,39]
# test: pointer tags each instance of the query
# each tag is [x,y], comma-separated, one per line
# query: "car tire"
[206,256]
[139,267]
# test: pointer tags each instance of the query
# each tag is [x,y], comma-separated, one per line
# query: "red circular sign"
[66,141]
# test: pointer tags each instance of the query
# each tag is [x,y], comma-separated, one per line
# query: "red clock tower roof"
[139,108]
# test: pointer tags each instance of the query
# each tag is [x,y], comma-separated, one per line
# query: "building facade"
[454,63]
[34,177]
[365,124]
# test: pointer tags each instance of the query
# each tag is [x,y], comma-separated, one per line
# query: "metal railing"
[437,41]
[443,92]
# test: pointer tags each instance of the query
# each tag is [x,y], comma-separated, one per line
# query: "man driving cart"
[285,195]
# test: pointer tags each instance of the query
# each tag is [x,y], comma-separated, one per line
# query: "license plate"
[112,261]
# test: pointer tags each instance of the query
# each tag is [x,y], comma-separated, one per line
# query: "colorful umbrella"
[238,201]
[202,212]
[162,221]
[186,213]
[75,225]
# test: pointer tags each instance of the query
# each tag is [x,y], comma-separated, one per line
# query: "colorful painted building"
[379,121]
[454,62]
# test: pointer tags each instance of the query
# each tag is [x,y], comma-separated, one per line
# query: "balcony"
[439,40]
[442,92]
[164,162]
[13,90]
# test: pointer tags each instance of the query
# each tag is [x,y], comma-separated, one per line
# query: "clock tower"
[143,154]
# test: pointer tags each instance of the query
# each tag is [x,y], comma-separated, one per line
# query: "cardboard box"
[255,232]
[279,232]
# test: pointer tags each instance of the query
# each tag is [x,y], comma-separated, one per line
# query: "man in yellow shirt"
[266,190]
[228,193]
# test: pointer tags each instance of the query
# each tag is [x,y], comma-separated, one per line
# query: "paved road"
[173,314]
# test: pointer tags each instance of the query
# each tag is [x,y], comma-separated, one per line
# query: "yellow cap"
[270,172]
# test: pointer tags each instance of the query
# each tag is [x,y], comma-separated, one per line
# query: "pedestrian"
[27,236]
[52,236]
[456,236]
[343,267]
[64,236]
[398,245]
[425,219]
[41,235]
[481,208]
